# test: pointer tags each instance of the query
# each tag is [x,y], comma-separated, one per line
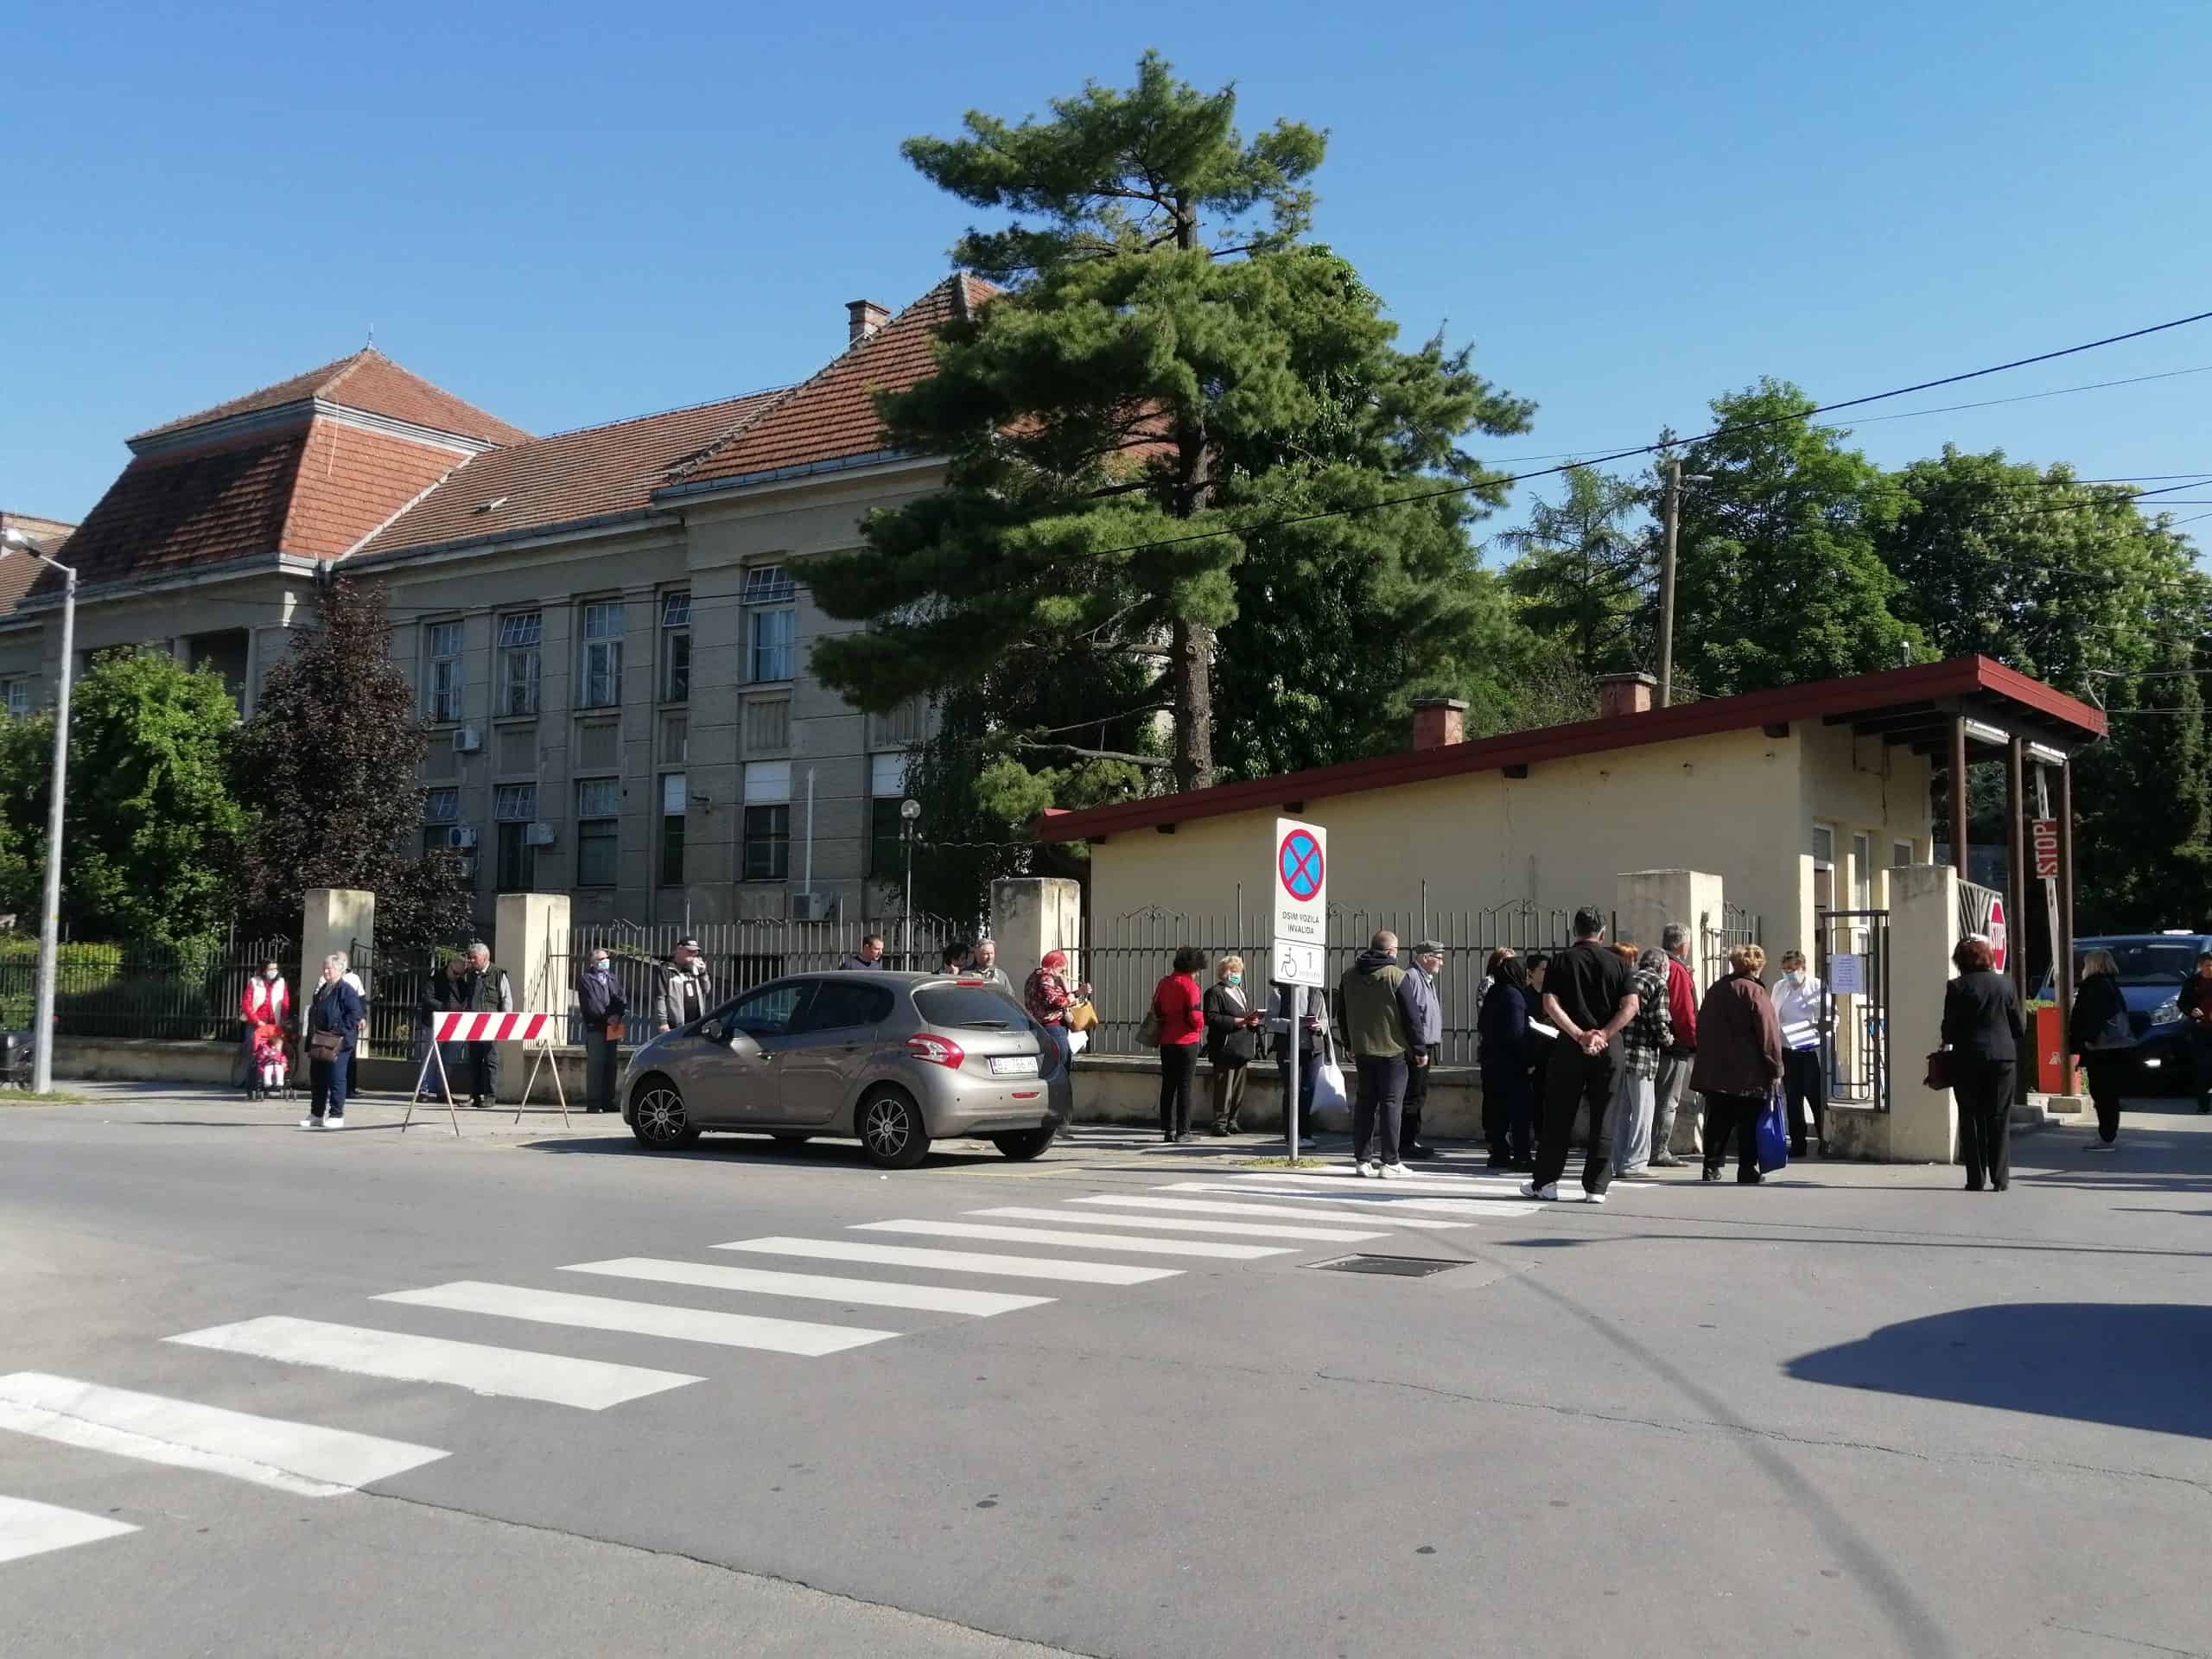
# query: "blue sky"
[570,213]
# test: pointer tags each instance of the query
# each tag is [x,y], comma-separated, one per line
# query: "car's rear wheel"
[1023,1145]
[658,1116]
[892,1132]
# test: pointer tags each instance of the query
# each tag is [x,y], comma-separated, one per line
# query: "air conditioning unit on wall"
[461,838]
[467,740]
[813,906]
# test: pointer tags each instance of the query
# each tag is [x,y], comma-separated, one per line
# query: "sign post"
[1301,953]
[534,1029]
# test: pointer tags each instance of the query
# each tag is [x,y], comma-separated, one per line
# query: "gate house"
[1801,800]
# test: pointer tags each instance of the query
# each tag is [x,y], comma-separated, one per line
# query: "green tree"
[150,826]
[2048,576]
[1584,569]
[1779,578]
[2143,841]
[327,765]
[1170,366]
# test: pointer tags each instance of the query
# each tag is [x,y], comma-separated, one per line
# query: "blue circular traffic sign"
[1300,865]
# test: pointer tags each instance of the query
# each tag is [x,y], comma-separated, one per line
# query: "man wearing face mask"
[682,992]
[599,996]
[1232,1040]
[1800,1006]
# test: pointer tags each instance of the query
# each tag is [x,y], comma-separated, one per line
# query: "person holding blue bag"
[1738,1065]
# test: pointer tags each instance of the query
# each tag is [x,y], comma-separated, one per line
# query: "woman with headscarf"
[2104,1036]
[1048,997]
[1738,1062]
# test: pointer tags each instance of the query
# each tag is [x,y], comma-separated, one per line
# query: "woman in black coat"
[1507,1051]
[1985,1031]
[2102,1035]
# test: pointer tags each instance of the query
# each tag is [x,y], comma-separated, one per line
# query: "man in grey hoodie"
[1379,1012]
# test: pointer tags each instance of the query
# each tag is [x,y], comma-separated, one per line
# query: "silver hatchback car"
[896,1060]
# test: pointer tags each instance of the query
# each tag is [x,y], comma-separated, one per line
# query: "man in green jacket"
[1379,1009]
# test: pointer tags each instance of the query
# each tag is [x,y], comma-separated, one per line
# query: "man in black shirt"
[1588,994]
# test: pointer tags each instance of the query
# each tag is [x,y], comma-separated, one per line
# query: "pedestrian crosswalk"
[774,1300]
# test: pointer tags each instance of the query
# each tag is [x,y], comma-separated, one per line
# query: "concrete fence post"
[1923,931]
[1031,915]
[332,919]
[526,926]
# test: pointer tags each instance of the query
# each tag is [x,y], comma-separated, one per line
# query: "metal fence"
[145,988]
[1734,925]
[1124,956]
[741,954]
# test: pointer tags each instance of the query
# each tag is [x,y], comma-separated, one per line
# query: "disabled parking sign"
[1300,888]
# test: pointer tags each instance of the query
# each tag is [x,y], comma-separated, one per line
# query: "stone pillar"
[529,927]
[1923,931]
[1031,915]
[333,918]
[1644,902]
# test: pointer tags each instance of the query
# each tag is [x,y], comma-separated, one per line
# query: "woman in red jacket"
[1179,1006]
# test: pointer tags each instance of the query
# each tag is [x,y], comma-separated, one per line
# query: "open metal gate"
[1853,969]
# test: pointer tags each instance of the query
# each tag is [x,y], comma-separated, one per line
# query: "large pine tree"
[1172,367]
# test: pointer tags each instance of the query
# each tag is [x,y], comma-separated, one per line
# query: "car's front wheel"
[658,1117]
[892,1132]
[1023,1145]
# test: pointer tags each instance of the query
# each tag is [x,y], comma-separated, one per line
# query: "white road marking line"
[821,1287]
[1472,1186]
[903,1256]
[1377,1197]
[1074,1241]
[641,1319]
[511,1373]
[300,1458]
[29,1529]
[1160,1224]
[1219,1207]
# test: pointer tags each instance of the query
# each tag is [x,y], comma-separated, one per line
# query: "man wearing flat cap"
[1424,1039]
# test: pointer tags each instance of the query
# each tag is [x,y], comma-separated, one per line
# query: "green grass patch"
[51,1097]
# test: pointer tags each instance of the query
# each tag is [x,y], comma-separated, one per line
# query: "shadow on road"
[2134,1365]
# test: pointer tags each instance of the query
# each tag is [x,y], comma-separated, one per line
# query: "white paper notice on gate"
[1847,975]
[1301,891]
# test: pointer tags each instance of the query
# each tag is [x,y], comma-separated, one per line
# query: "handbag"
[325,1044]
[1939,1070]
[1148,1032]
[1329,1092]
[1082,1016]
[1773,1133]
[616,1030]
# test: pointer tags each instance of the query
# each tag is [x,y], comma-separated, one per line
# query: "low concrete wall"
[135,1059]
[1125,1089]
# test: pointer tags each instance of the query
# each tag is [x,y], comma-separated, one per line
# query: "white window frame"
[442,682]
[515,803]
[521,638]
[675,626]
[431,800]
[771,604]
[17,693]
[599,819]
[599,683]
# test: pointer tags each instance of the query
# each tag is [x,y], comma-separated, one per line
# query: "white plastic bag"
[1077,1042]
[1332,1104]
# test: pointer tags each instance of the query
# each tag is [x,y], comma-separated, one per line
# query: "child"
[269,1056]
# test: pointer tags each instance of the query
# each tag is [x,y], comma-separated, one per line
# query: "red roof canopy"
[1912,705]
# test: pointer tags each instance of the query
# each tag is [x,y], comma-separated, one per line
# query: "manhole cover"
[1398,1266]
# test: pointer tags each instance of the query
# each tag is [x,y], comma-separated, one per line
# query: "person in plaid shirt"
[1643,1041]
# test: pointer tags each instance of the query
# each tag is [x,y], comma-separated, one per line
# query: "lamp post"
[910,814]
[49,925]
[1671,517]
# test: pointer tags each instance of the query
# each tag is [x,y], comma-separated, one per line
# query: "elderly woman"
[1738,1062]
[1985,1031]
[2104,1036]
[1643,1041]
[1232,1040]
[1048,997]
[333,1021]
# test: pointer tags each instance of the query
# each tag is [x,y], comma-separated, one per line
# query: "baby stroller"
[272,1067]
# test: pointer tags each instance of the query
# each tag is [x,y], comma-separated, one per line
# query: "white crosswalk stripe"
[1159,1224]
[814,1287]
[641,1319]
[511,1373]
[1222,1207]
[1074,1241]
[29,1529]
[903,1256]
[1472,1186]
[1392,1198]
[302,1458]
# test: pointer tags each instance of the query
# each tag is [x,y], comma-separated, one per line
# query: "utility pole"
[49,925]
[1671,516]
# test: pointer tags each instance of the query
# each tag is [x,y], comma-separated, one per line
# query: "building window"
[1900,854]
[514,805]
[675,648]
[18,693]
[440,811]
[767,821]
[520,633]
[770,622]
[671,830]
[599,822]
[887,855]
[441,648]
[602,663]
[1862,872]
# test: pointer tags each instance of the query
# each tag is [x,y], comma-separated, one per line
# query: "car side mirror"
[742,1044]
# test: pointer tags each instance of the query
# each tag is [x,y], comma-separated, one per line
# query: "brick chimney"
[863,318]
[1624,694]
[1439,723]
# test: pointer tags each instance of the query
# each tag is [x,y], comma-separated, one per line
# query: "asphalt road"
[1853,1411]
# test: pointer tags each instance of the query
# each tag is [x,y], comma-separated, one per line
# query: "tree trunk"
[1193,670]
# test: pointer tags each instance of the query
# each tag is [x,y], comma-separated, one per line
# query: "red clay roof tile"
[367,380]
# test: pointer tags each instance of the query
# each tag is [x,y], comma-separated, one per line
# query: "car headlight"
[2167,1012]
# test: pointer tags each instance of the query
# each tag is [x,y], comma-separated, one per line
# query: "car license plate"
[1014,1065]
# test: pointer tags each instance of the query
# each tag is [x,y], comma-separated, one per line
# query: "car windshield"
[967,1008]
[2159,962]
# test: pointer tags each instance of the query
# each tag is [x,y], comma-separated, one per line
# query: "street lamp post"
[910,813]
[49,925]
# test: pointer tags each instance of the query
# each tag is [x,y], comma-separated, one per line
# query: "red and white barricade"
[535,1030]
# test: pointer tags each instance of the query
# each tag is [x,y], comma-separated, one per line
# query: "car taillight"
[937,1050]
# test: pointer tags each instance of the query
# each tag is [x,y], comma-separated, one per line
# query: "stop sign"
[1997,933]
